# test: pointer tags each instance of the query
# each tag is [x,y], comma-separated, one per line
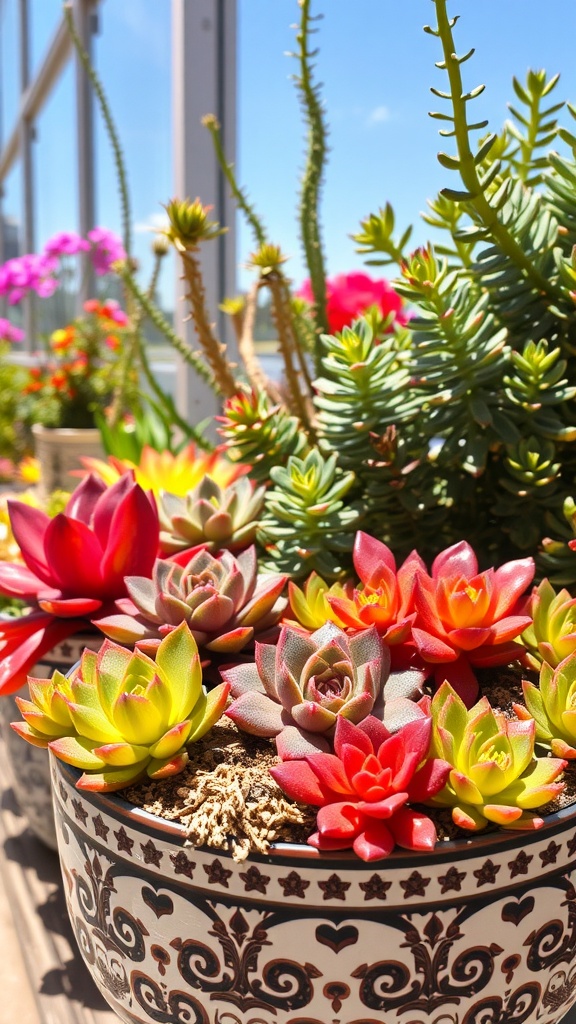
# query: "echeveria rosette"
[495,776]
[468,619]
[75,564]
[551,635]
[384,598]
[297,690]
[222,598]
[210,515]
[120,715]
[552,705]
[363,789]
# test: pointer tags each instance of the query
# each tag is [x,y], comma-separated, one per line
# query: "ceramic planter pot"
[478,932]
[27,768]
[59,450]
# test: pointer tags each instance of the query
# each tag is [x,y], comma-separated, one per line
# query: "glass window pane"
[44,18]
[135,38]
[9,66]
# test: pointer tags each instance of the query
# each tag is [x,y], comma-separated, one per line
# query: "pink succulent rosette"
[75,565]
[223,598]
[297,690]
[468,619]
[364,787]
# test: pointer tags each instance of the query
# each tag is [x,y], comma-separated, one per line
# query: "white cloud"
[378,115]
[156,222]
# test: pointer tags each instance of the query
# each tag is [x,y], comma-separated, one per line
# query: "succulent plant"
[384,598]
[210,515]
[121,715]
[75,565]
[297,690]
[223,599]
[259,432]
[552,705]
[310,606]
[307,525]
[467,618]
[363,789]
[164,471]
[551,636]
[495,776]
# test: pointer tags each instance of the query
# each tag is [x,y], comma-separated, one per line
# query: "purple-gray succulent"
[218,517]
[296,691]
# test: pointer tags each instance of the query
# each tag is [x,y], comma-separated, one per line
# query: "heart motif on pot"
[160,903]
[516,912]
[337,938]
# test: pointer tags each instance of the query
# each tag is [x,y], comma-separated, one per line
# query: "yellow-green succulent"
[120,716]
[495,776]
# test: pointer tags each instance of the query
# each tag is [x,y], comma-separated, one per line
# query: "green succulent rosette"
[495,776]
[121,715]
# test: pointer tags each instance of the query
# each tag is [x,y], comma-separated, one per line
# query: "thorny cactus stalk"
[223,599]
[297,690]
[121,716]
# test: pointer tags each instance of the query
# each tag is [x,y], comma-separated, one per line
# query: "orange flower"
[62,339]
[113,342]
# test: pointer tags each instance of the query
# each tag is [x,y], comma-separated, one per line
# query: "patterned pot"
[478,932]
[59,450]
[26,768]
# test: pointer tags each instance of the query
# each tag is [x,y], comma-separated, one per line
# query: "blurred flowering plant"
[349,296]
[80,370]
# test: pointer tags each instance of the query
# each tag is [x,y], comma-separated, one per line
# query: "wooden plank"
[57,976]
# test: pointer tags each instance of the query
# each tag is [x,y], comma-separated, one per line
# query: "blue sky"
[376,64]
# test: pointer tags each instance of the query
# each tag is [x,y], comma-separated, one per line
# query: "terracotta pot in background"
[59,450]
[481,931]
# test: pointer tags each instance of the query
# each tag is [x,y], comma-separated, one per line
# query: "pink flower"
[9,332]
[106,248]
[31,272]
[351,295]
[66,243]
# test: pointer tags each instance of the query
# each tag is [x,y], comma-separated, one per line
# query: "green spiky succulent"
[217,517]
[307,524]
[120,716]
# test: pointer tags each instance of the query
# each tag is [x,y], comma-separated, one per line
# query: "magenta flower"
[75,565]
[351,295]
[105,249]
[9,332]
[66,243]
[24,274]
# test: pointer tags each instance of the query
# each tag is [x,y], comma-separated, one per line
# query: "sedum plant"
[120,716]
[494,775]
[551,635]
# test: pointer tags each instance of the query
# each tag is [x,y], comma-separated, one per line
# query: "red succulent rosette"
[364,787]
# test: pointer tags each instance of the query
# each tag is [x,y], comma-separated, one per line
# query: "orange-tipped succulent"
[122,715]
[553,706]
[309,606]
[495,776]
[551,636]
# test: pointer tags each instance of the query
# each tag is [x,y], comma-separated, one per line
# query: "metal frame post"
[83,20]
[204,82]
